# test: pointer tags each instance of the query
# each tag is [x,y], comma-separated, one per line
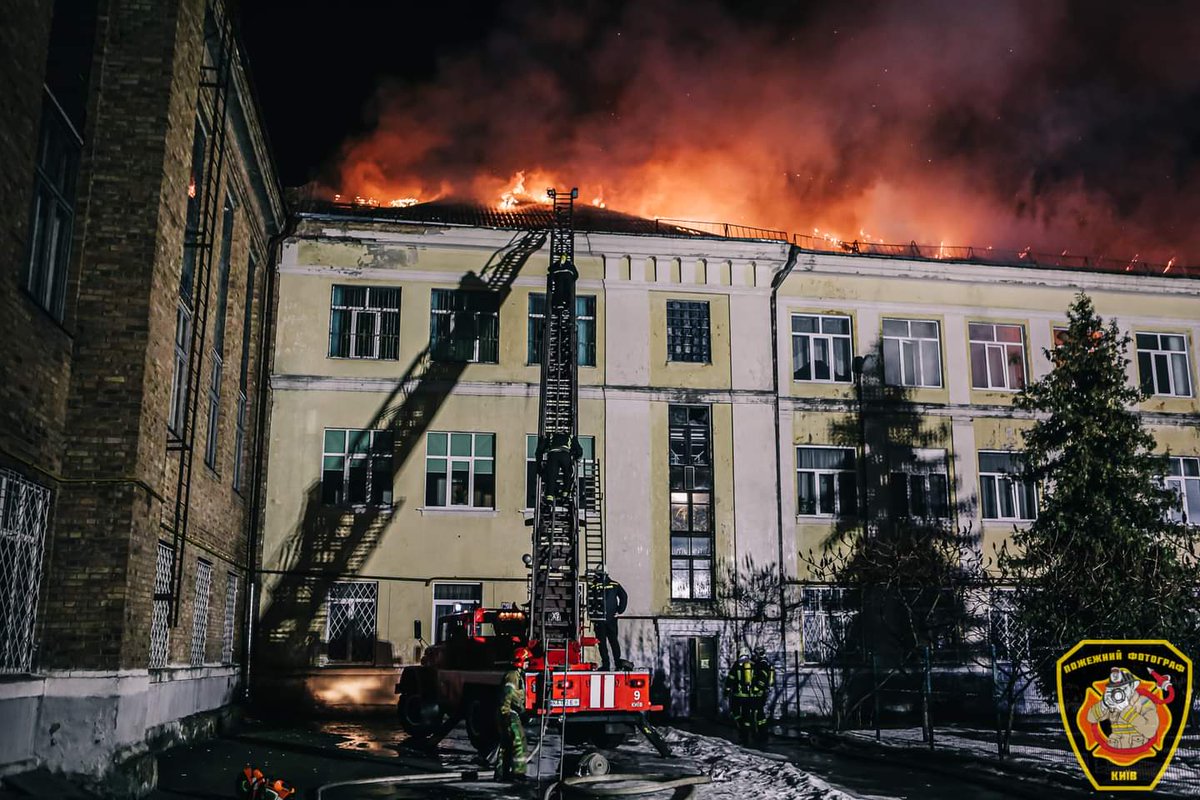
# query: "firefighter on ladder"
[746,685]
[556,456]
[512,729]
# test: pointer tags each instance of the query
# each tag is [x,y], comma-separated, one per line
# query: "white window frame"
[450,603]
[586,443]
[829,340]
[349,458]
[1001,481]
[1180,479]
[471,461]
[356,603]
[1162,358]
[374,340]
[922,462]
[911,343]
[992,348]
[838,510]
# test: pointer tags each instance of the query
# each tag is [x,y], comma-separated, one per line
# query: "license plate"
[570,702]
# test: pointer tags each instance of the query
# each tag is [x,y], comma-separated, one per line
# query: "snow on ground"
[738,773]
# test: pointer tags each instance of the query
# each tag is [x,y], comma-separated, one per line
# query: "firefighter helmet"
[521,657]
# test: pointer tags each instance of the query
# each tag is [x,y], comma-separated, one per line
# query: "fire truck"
[459,677]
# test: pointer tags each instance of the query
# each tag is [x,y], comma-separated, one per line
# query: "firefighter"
[512,729]
[746,696]
[556,456]
[764,679]
[606,599]
[1131,714]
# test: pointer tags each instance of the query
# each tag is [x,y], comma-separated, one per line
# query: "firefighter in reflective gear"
[512,729]
[1130,713]
[556,456]
[764,677]
[747,697]
[606,599]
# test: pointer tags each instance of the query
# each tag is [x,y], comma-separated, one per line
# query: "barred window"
[827,617]
[586,443]
[24,508]
[997,356]
[364,322]
[1163,364]
[826,482]
[229,627]
[160,619]
[1005,495]
[356,468]
[912,352]
[460,469]
[464,326]
[350,623]
[821,348]
[200,612]
[687,332]
[585,329]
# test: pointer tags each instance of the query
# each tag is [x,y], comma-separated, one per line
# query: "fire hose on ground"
[579,785]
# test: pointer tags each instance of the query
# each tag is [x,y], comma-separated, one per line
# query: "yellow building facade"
[718,396]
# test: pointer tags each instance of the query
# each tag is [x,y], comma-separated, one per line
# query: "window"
[1004,493]
[24,508]
[53,213]
[187,278]
[826,482]
[200,611]
[364,322]
[912,352]
[243,403]
[218,345]
[350,625]
[460,470]
[1163,364]
[451,598]
[160,618]
[997,356]
[821,348]
[691,487]
[585,329]
[687,332]
[230,624]
[827,616]
[586,443]
[356,468]
[1005,632]
[919,488]
[1183,477]
[464,326]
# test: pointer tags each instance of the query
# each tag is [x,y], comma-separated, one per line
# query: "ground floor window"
[160,615]
[230,624]
[827,616]
[24,507]
[200,612]
[353,607]
[451,598]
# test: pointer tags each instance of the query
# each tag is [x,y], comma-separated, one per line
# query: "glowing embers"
[517,195]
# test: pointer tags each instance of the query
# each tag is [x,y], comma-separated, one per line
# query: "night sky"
[1056,124]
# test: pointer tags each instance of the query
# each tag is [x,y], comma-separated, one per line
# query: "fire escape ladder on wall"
[214,88]
[592,505]
[555,588]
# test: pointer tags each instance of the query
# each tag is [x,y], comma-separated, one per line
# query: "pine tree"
[1103,559]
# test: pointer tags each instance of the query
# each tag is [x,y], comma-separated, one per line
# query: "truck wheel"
[420,718]
[482,730]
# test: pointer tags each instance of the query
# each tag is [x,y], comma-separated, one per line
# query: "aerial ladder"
[458,678]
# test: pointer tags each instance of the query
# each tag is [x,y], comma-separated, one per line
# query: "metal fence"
[24,508]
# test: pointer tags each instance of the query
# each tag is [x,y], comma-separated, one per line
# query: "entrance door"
[704,676]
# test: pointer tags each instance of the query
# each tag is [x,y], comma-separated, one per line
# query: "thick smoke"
[1062,125]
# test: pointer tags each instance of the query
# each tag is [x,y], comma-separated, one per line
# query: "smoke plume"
[1067,126]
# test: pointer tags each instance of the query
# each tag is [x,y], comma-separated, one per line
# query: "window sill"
[450,510]
[819,382]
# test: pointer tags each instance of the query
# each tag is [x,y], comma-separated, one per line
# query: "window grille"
[1009,638]
[460,469]
[585,329]
[997,356]
[1163,364]
[230,624]
[24,508]
[200,611]
[827,617]
[160,631]
[350,625]
[821,348]
[912,352]
[688,337]
[364,322]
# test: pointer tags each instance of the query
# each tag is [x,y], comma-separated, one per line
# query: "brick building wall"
[88,411]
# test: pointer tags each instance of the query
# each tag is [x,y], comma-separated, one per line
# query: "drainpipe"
[793,255]
[266,352]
